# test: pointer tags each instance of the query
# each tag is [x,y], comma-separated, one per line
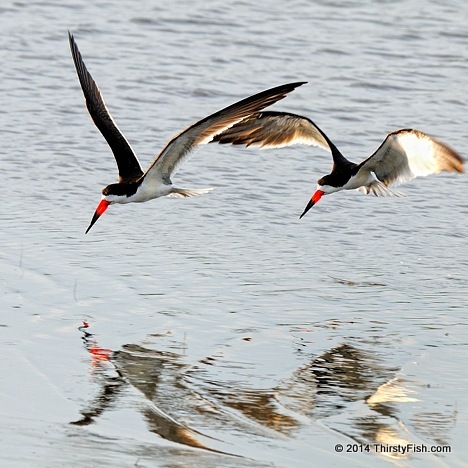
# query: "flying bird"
[134,185]
[403,155]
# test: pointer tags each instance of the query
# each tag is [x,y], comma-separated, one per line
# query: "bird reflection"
[143,370]
[112,385]
[347,389]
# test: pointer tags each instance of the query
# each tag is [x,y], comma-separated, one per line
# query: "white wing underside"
[181,148]
[266,130]
[407,154]
[202,132]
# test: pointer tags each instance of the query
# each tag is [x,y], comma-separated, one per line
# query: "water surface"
[223,330]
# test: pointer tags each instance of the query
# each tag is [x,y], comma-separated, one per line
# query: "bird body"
[402,156]
[136,186]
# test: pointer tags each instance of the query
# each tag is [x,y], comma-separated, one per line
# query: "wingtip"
[71,40]
[287,87]
[295,85]
[283,90]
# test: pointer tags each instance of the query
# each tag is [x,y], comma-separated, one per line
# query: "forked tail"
[379,189]
[188,192]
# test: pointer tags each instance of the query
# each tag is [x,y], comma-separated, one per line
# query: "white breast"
[149,190]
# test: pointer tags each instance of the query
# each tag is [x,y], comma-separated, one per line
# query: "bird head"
[114,193]
[323,188]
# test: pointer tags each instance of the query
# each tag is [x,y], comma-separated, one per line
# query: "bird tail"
[188,192]
[379,189]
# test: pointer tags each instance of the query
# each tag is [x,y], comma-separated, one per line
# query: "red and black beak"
[315,198]
[103,204]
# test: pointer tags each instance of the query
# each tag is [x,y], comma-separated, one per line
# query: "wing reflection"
[357,395]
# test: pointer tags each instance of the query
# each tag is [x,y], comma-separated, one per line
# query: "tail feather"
[188,192]
[379,189]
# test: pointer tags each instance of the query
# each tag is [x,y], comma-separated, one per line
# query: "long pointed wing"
[274,130]
[203,131]
[127,162]
[406,154]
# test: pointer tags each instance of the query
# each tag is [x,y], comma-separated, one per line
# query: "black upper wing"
[127,162]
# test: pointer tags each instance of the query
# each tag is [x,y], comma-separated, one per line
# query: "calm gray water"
[231,333]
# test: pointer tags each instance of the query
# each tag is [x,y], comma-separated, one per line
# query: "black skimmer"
[403,155]
[137,186]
